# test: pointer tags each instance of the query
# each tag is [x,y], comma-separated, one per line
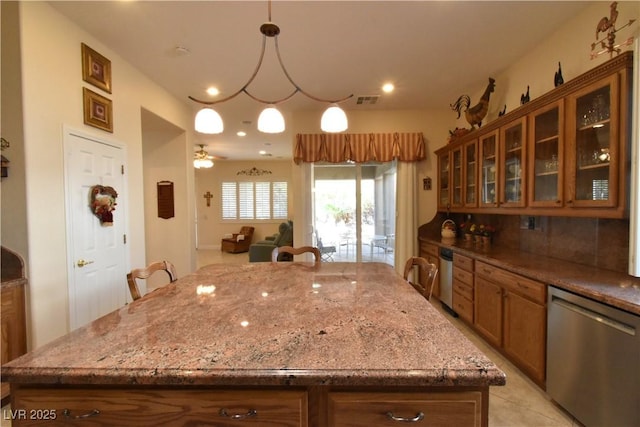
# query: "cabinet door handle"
[93,413]
[419,417]
[250,414]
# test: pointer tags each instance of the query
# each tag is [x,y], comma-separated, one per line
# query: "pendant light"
[270,120]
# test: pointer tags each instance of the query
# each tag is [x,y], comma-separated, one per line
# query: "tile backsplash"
[602,243]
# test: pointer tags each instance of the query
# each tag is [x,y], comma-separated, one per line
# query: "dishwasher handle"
[593,315]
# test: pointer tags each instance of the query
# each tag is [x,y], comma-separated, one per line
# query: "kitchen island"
[295,344]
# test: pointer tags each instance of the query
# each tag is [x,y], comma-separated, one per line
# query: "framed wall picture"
[96,69]
[98,110]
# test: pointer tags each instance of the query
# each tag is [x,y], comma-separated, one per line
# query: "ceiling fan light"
[334,120]
[202,163]
[271,120]
[208,121]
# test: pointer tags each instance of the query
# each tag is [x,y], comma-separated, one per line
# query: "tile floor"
[520,403]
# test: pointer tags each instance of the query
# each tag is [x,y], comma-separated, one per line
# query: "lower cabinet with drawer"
[463,288]
[159,407]
[510,313]
[390,409]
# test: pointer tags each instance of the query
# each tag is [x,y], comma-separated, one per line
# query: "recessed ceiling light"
[262,152]
[388,87]
[213,91]
[241,133]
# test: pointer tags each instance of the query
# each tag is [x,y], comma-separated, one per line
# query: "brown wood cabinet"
[382,409]
[566,153]
[463,289]
[13,328]
[510,313]
[145,407]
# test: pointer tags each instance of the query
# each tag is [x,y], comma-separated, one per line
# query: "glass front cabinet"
[564,153]
[470,174]
[488,156]
[546,151]
[592,151]
[512,160]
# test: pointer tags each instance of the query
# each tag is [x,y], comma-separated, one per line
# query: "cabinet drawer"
[462,275]
[513,282]
[463,306]
[428,249]
[154,407]
[376,409]
[463,289]
[464,262]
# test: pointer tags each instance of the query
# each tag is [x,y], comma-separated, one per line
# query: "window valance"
[359,147]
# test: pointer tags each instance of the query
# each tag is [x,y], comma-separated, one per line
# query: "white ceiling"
[433,51]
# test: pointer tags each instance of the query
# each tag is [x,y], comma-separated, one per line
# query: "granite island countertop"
[267,324]
[614,288]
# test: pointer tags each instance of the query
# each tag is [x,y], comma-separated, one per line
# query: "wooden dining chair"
[146,272]
[295,251]
[430,273]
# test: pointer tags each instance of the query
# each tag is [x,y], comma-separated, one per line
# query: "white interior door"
[96,252]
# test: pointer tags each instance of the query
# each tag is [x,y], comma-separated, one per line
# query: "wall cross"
[208,196]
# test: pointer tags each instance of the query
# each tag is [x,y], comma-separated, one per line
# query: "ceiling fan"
[202,159]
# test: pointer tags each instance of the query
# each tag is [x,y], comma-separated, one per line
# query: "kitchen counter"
[610,287]
[284,325]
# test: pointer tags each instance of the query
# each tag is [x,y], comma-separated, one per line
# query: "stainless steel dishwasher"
[446,279]
[593,360]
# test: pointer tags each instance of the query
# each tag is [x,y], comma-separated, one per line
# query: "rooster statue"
[475,114]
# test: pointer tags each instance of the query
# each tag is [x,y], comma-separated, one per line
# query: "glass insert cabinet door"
[488,156]
[470,174]
[593,145]
[546,156]
[444,199]
[456,176]
[512,159]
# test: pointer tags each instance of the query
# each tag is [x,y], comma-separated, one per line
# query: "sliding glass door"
[354,211]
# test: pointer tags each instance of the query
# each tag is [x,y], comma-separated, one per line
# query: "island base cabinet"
[156,407]
[391,409]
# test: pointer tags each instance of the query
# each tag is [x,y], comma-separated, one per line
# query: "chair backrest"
[146,272]
[295,251]
[247,231]
[430,271]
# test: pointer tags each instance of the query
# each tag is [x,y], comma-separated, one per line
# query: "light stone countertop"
[261,324]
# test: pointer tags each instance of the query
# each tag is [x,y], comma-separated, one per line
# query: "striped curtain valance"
[359,147]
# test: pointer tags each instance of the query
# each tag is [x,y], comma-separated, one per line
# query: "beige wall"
[52,97]
[210,226]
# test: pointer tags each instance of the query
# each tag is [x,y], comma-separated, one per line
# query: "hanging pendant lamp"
[209,121]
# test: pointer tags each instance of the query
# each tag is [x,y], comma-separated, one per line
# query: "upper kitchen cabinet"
[488,155]
[593,152]
[470,174]
[512,162]
[566,153]
[444,183]
[546,151]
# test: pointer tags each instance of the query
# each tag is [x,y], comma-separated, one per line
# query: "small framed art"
[96,69]
[98,110]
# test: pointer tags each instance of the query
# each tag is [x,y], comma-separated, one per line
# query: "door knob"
[81,263]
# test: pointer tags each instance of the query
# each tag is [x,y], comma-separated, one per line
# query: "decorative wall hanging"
[98,110]
[165,199]
[254,172]
[96,69]
[103,203]
[208,196]
[475,114]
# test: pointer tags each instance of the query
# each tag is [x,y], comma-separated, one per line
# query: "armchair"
[239,242]
[261,250]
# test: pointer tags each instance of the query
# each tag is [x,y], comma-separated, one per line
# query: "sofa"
[261,250]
